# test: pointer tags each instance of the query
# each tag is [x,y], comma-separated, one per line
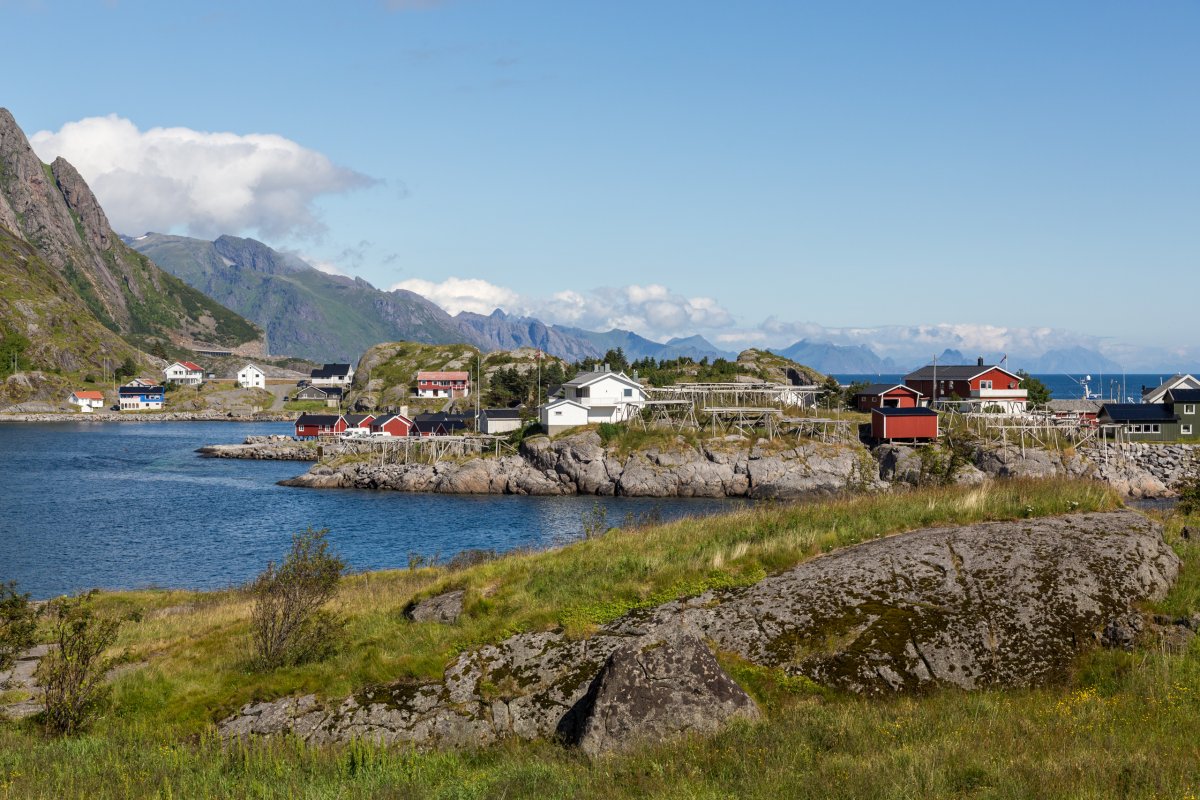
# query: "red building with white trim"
[887,395]
[980,386]
[443,384]
[392,425]
[907,424]
[312,425]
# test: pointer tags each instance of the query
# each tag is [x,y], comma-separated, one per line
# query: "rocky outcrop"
[657,687]
[581,464]
[444,608]
[988,605]
[1144,470]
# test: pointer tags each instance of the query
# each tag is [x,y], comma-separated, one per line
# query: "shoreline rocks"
[1001,604]
[155,416]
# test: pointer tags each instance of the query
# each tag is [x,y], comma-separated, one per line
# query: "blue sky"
[753,171]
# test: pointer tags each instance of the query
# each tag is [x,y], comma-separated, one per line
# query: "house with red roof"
[87,400]
[443,384]
[184,373]
[977,387]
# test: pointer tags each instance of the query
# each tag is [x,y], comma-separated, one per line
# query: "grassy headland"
[1126,724]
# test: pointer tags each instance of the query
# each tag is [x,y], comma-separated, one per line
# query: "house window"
[985,384]
[1186,430]
[629,392]
[1189,409]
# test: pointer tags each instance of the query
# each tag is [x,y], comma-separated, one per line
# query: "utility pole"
[934,383]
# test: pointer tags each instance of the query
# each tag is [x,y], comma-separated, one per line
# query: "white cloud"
[465,294]
[653,310]
[166,179]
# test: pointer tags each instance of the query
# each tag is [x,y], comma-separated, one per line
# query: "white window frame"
[985,384]
[1185,430]
[1190,409]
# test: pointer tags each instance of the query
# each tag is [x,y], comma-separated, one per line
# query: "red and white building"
[887,395]
[309,426]
[904,424]
[184,373]
[392,425]
[977,388]
[443,384]
[87,400]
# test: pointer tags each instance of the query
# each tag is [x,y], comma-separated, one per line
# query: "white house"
[87,401]
[184,373]
[337,375]
[561,414]
[592,397]
[251,377]
[499,420]
[1158,393]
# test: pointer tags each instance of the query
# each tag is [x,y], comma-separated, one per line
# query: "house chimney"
[404,412]
[980,362]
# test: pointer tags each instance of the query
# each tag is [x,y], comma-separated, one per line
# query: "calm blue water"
[129,505]
[1062,387]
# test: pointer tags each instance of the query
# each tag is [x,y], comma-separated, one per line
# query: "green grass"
[1124,725]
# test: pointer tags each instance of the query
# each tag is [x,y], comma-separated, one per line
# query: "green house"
[1185,403]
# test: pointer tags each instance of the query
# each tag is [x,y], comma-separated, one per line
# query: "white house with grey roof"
[1173,383]
[593,397]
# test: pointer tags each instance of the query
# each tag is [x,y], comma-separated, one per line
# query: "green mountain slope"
[51,208]
[305,312]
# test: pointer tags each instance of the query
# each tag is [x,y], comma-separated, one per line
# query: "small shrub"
[1189,490]
[72,673]
[471,557]
[609,431]
[289,624]
[17,624]
[595,522]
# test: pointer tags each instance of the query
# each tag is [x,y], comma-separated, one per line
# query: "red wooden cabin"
[908,424]
[887,395]
[310,425]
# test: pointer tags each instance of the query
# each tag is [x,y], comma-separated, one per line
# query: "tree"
[1038,393]
[289,622]
[72,672]
[831,393]
[17,624]
[616,360]
[128,369]
[850,391]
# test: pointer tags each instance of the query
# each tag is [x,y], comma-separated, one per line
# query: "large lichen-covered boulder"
[992,604]
[658,687]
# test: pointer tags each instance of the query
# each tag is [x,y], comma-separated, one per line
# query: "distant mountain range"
[324,317]
[313,314]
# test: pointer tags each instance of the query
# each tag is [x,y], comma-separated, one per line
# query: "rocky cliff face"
[988,605]
[51,210]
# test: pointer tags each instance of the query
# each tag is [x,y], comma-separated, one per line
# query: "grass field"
[1124,725]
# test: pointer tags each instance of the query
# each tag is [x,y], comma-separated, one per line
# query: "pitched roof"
[905,412]
[88,395]
[331,371]
[956,372]
[253,367]
[1169,383]
[501,413]
[192,367]
[1079,406]
[146,389]
[386,418]
[443,376]
[883,388]
[318,419]
[1184,395]
[1137,412]
[584,378]
[354,420]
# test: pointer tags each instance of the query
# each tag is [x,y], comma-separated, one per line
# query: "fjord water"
[127,505]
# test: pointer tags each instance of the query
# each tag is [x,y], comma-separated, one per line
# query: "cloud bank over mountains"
[659,313]
[206,183]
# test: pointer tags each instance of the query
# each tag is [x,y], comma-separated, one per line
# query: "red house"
[359,420]
[310,425]
[980,386]
[443,384]
[393,425]
[887,395]
[910,424]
